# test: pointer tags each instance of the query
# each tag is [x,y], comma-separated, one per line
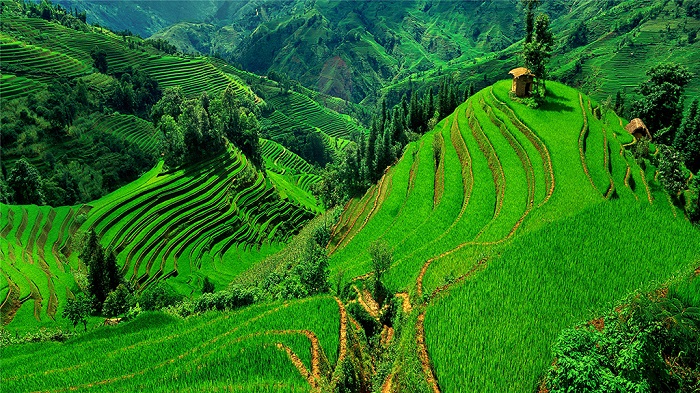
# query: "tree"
[538,51]
[381,257]
[99,59]
[530,6]
[118,302]
[25,181]
[207,286]
[313,270]
[169,104]
[579,36]
[113,277]
[174,148]
[661,105]
[670,171]
[687,139]
[78,310]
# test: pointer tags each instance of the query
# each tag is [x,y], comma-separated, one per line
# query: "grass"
[504,319]
[531,247]
[157,352]
[184,225]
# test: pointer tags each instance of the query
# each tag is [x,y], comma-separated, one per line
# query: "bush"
[158,297]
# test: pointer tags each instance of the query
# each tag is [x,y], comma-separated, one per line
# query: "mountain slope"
[352,49]
[508,224]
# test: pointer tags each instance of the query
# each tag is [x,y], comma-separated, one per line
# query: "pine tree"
[113,276]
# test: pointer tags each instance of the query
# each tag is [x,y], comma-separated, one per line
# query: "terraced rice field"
[12,86]
[302,109]
[163,225]
[272,347]
[45,50]
[522,227]
[132,129]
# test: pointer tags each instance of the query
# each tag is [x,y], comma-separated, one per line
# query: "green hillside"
[212,219]
[508,224]
[354,49]
[252,221]
[273,349]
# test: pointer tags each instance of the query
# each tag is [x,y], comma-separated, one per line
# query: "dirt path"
[581,140]
[423,354]
[342,352]
[646,187]
[406,302]
[298,364]
[375,194]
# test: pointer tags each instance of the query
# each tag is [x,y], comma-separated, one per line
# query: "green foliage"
[207,286]
[157,297]
[687,138]
[537,52]
[26,184]
[578,36]
[78,310]
[382,257]
[670,171]
[661,107]
[99,58]
[118,302]
[103,273]
[631,350]
[7,338]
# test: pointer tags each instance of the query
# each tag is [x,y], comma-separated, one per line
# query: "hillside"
[506,224]
[303,213]
[363,51]
[212,218]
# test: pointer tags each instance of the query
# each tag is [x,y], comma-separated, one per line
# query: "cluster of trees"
[196,128]
[651,344]
[54,12]
[107,293]
[62,117]
[676,134]
[306,276]
[308,144]
[104,277]
[390,131]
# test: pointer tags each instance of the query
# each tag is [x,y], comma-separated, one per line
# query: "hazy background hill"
[142,17]
[364,50]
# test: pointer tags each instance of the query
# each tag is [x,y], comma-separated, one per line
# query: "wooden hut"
[523,80]
[638,129]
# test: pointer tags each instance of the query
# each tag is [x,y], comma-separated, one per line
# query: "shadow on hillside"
[556,106]
[556,103]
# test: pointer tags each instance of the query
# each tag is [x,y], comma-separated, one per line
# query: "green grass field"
[538,228]
[158,352]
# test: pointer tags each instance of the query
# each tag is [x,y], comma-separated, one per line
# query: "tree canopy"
[661,105]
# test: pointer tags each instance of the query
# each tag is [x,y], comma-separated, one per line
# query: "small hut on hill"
[638,129]
[522,81]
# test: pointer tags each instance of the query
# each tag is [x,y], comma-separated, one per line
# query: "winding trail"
[423,354]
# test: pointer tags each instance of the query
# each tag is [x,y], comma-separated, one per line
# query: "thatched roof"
[637,126]
[520,71]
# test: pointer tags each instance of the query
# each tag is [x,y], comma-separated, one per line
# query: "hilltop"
[166,223]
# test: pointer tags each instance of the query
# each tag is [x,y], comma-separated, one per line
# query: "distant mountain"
[142,17]
[365,50]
